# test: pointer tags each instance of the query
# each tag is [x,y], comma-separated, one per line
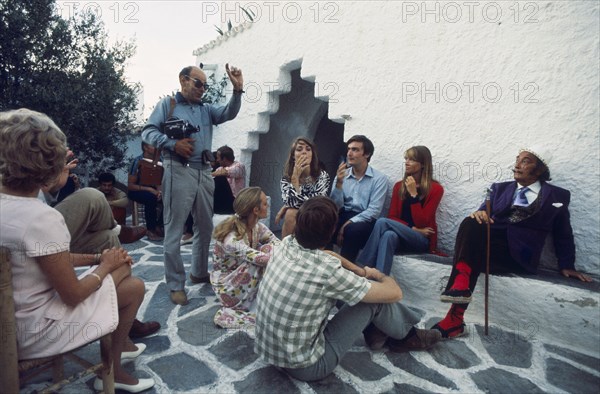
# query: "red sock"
[454,317]
[461,282]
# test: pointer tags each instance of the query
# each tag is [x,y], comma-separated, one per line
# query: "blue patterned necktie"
[521,200]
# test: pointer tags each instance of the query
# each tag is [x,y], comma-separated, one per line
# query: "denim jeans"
[387,238]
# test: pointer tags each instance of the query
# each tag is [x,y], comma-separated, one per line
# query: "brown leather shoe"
[140,330]
[180,298]
[417,339]
[152,236]
[195,280]
[131,234]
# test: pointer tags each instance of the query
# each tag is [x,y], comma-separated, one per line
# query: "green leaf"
[251,17]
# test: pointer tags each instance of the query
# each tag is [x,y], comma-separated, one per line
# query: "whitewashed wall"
[473,81]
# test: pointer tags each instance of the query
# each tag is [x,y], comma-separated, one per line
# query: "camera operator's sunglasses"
[198,83]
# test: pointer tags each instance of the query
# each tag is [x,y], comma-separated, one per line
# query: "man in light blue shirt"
[187,181]
[359,192]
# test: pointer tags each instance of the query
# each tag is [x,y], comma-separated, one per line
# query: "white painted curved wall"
[473,87]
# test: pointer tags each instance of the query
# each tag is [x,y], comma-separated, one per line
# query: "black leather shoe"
[457,296]
[452,332]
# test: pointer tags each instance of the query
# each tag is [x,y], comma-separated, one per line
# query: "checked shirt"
[299,288]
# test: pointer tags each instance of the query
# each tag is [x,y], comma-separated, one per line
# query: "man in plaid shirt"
[301,285]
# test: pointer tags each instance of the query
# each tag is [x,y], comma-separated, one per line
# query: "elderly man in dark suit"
[523,213]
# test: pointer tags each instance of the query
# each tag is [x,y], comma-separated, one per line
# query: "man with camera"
[182,127]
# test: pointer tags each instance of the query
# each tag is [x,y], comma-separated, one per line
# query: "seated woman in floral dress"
[410,226]
[302,179]
[243,248]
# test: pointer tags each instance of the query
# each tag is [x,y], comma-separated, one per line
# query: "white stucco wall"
[473,85]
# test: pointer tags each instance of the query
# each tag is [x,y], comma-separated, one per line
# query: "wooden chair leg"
[108,373]
[9,365]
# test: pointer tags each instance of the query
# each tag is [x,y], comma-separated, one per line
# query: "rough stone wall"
[473,81]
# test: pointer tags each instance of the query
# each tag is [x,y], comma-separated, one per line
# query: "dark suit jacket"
[526,238]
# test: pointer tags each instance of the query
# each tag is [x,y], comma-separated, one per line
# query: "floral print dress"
[238,267]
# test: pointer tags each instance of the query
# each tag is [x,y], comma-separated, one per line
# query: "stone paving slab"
[191,355]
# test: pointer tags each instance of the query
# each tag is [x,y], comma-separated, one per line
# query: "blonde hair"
[32,150]
[422,155]
[243,205]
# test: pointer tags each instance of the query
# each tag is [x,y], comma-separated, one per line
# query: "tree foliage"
[67,69]
[215,92]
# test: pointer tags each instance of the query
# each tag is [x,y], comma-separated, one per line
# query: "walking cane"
[487,258]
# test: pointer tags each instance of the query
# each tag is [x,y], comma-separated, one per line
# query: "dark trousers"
[150,203]
[470,248]
[355,235]
[223,202]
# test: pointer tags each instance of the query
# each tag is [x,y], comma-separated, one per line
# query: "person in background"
[410,226]
[233,171]
[73,184]
[117,199]
[148,195]
[302,179]
[243,248]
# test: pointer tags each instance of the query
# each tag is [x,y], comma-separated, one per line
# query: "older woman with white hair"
[57,311]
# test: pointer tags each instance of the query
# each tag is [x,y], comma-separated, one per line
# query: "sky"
[165,32]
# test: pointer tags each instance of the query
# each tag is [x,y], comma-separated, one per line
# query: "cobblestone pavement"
[190,355]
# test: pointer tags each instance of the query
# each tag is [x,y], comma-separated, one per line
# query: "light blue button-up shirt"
[366,195]
[202,116]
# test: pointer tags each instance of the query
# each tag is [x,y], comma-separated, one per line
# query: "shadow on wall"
[300,114]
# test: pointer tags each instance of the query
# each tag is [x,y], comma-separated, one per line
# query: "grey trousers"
[347,326]
[185,190]
[89,220]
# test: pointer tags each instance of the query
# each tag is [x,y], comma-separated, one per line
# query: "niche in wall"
[299,114]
